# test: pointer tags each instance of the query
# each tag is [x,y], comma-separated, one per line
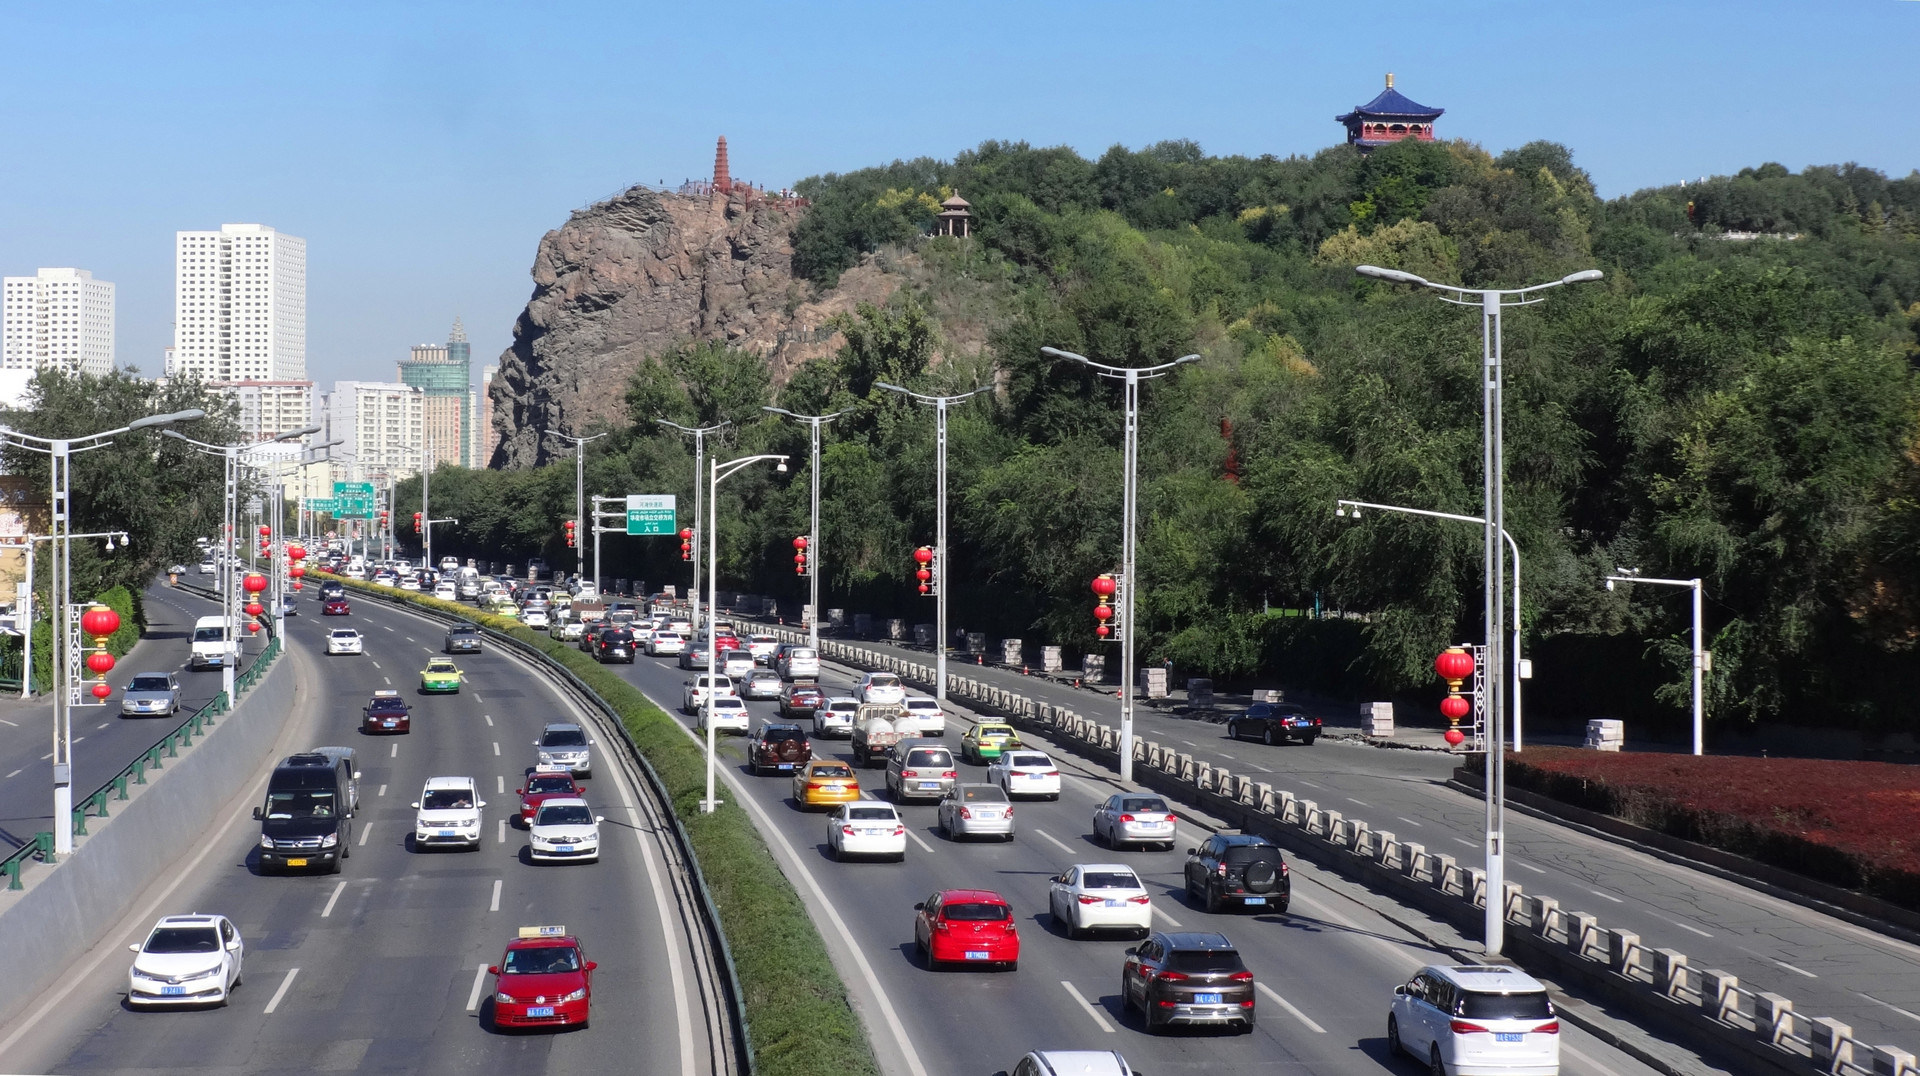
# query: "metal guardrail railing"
[117,788]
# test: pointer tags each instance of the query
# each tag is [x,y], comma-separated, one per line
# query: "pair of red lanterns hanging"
[800,555]
[1454,665]
[1105,586]
[100,622]
[924,557]
[297,553]
[686,543]
[254,583]
[571,527]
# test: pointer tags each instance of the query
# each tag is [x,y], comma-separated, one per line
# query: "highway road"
[1326,969]
[381,967]
[1828,966]
[103,741]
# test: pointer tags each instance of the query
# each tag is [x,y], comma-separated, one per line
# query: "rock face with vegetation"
[1736,400]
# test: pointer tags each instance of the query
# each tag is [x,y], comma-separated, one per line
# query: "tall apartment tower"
[443,372]
[240,321]
[382,424]
[58,318]
[487,437]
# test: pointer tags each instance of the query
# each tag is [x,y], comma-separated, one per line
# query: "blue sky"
[422,149]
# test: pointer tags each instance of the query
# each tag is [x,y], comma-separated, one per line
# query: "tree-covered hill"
[1736,400]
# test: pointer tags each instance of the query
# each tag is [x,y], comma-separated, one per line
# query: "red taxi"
[386,712]
[966,926]
[544,980]
[335,607]
[544,785]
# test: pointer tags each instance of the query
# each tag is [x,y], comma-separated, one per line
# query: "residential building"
[443,372]
[381,425]
[240,304]
[57,318]
[487,436]
[271,408]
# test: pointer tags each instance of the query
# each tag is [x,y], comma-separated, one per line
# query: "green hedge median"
[796,1004]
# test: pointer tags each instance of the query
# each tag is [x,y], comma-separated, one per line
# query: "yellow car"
[984,742]
[440,675]
[825,784]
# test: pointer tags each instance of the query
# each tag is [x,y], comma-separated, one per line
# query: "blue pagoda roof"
[1393,103]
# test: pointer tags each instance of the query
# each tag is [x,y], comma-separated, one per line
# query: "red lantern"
[101,691]
[255,608]
[923,588]
[1104,586]
[1102,630]
[1454,665]
[686,535]
[1454,736]
[297,552]
[924,555]
[100,661]
[297,584]
[923,575]
[1102,612]
[1454,707]
[254,582]
[296,571]
[100,621]
[253,625]
[800,542]
[265,530]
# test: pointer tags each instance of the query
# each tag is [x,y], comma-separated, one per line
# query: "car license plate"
[928,785]
[539,1010]
[173,991]
[1509,1036]
[389,722]
[446,833]
[296,862]
[563,848]
[786,765]
[1256,900]
[872,832]
[1112,903]
[1206,999]
[976,954]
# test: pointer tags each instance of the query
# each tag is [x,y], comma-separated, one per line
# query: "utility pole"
[579,495]
[699,460]
[814,423]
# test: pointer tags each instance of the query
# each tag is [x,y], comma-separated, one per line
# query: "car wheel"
[1394,1046]
[338,861]
[1212,901]
[1013,965]
[1269,738]
[1435,1066]
[1308,740]
[835,850]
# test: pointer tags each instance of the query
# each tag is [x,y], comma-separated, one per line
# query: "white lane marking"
[1528,867]
[1288,1005]
[1310,784]
[410,638]
[1087,1005]
[1683,926]
[77,739]
[479,980]
[1362,803]
[495,905]
[9,724]
[280,993]
[496,747]
[388,679]
[1468,843]
[1064,846]
[14,772]
[1607,896]
[46,756]
[683,1014]
[382,792]
[102,724]
[915,838]
[477,698]
[395,752]
[501,784]
[366,830]
[375,663]
[1903,1012]
[1189,743]
[1171,921]
[1223,754]
[1588,1061]
[389,628]
[1409,821]
[1259,767]
[489,718]
[337,890]
[503,832]
[1781,963]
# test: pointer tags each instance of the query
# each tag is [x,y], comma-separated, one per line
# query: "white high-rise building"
[58,318]
[240,305]
[382,425]
[271,408]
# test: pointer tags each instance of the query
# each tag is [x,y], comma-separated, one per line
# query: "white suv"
[448,813]
[883,688]
[694,695]
[1476,1019]
[835,717]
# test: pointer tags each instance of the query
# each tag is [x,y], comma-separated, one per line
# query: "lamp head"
[1394,275]
[782,465]
[1609,584]
[1582,276]
[166,420]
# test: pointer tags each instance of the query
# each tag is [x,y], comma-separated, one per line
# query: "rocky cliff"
[640,273]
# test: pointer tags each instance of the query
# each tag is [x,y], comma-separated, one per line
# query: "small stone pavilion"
[956,219]
[1390,117]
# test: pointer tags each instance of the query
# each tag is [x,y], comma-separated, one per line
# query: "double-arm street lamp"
[699,464]
[59,451]
[1492,303]
[814,422]
[1129,523]
[939,405]
[716,473]
[579,497]
[23,613]
[1700,656]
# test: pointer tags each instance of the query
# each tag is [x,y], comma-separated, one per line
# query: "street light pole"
[813,531]
[699,463]
[1129,522]
[716,473]
[940,405]
[1492,303]
[1513,548]
[1632,575]
[579,496]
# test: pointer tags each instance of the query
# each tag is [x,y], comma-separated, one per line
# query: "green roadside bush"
[797,1012]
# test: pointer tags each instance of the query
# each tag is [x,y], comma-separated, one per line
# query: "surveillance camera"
[1609,584]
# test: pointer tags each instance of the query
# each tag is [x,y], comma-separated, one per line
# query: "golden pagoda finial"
[1389,80]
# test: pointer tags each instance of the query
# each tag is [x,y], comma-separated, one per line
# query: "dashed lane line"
[1171,921]
[327,912]
[1527,867]
[489,718]
[494,905]
[375,663]
[388,679]
[1362,803]
[1288,1005]
[1064,846]
[500,783]
[280,993]
[1781,963]
[1903,1012]
[1409,821]
[1683,926]
[496,749]
[366,830]
[503,832]
[383,788]
[395,752]
[1088,1006]
[915,838]
[11,774]
[479,981]
[1605,896]
[103,724]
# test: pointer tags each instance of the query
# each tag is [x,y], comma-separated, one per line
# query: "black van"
[307,821]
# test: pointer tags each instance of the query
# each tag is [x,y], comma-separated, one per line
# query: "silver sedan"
[1134,819]
[977,811]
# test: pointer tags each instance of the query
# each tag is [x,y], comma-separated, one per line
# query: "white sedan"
[927,713]
[867,828]
[565,829]
[664,643]
[1099,896]
[344,641]
[1025,773]
[535,618]
[186,960]
[729,715]
[881,687]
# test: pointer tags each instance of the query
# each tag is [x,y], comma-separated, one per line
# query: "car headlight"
[471,822]
[577,995]
[209,973]
[330,840]
[266,841]
[503,998]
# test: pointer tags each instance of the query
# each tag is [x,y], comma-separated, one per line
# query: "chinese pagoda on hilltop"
[1389,117]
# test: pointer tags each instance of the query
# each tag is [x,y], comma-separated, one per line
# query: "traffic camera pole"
[699,466]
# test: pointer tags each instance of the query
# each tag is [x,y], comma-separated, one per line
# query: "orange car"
[824,784]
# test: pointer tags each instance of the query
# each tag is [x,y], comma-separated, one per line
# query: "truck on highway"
[876,728]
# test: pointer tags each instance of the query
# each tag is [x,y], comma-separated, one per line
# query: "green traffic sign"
[320,504]
[651,514]
[353,500]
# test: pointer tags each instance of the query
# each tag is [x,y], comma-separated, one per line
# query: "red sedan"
[542,787]
[335,607]
[544,980]
[966,926]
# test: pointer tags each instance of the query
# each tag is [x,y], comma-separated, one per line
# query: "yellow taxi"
[825,784]
[984,742]
[440,675]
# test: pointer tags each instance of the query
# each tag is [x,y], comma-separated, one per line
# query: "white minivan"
[1475,1020]
[216,642]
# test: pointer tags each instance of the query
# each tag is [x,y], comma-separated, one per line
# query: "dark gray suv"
[1187,977]
[1238,868]
[463,639]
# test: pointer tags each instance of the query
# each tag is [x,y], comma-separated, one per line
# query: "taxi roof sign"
[542,932]
[384,693]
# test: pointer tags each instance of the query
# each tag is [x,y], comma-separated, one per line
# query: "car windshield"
[550,784]
[571,814]
[666,637]
[1144,804]
[782,734]
[883,680]
[346,634]
[300,803]
[929,758]
[447,799]
[982,794]
[870,814]
[545,960]
[1503,1006]
[805,652]
[835,769]
[387,702]
[976,912]
[207,635]
[1110,880]
[738,655]
[1192,960]
[1248,853]
[843,706]
[183,940]
[564,738]
[616,638]
[1038,761]
[149,683]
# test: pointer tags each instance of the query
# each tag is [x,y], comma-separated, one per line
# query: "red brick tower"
[722,181]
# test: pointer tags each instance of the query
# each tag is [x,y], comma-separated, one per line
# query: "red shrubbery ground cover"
[1852,824]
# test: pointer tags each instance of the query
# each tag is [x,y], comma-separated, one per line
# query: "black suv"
[1272,722]
[1187,977]
[1239,868]
[614,644]
[778,747]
